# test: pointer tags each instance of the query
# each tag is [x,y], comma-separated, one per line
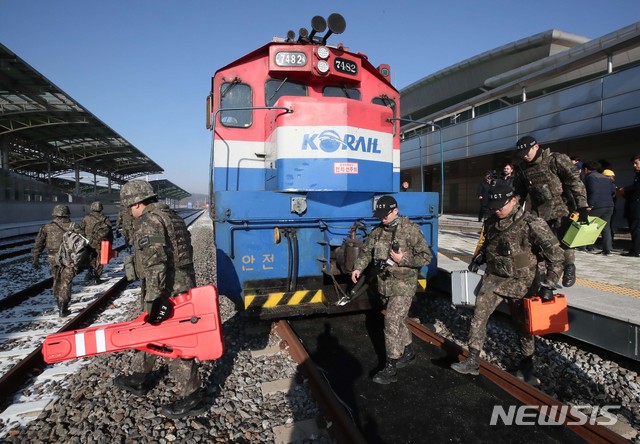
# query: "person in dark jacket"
[600,192]
[483,195]
[507,175]
[631,194]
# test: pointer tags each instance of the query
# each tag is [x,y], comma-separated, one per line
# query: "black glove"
[583,215]
[36,264]
[477,260]
[161,309]
[117,234]
[546,293]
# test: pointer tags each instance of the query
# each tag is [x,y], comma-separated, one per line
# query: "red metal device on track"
[194,331]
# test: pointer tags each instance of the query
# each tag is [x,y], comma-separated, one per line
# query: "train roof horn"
[336,22]
[337,25]
[318,24]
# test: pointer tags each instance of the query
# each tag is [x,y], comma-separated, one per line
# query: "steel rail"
[340,425]
[520,390]
[15,253]
[34,362]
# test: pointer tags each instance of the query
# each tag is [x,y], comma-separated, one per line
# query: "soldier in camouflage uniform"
[125,223]
[515,240]
[398,250]
[164,263]
[50,237]
[545,177]
[88,226]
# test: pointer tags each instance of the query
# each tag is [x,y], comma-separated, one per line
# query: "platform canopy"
[44,133]
[168,190]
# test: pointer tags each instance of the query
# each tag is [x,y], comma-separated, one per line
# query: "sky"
[144,67]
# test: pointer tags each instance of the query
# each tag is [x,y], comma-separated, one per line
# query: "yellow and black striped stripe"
[273,300]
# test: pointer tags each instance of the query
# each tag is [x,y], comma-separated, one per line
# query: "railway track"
[373,430]
[453,407]
[85,308]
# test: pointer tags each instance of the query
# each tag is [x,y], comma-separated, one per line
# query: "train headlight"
[323,52]
[322,67]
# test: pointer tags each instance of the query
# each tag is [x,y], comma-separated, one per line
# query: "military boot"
[569,275]
[407,356]
[388,374]
[470,366]
[525,371]
[96,278]
[192,405]
[63,309]
[138,383]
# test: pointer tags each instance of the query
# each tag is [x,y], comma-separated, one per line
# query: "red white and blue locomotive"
[304,143]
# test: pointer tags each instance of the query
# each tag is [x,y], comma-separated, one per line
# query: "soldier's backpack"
[74,250]
[101,230]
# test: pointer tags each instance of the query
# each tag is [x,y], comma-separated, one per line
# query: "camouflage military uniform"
[397,283]
[547,180]
[164,261]
[87,226]
[512,248]
[50,237]
[125,222]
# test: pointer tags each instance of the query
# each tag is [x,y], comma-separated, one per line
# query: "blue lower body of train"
[279,250]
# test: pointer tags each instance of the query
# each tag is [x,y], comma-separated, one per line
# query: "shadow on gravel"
[582,378]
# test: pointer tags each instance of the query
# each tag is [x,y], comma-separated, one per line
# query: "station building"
[576,95]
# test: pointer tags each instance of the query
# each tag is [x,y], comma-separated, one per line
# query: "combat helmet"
[96,206]
[135,191]
[61,211]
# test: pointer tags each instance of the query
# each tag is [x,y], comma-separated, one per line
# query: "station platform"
[606,286]
[25,228]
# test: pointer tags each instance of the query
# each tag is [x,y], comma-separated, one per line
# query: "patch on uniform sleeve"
[143,242]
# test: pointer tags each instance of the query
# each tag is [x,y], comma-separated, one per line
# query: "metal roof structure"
[69,186]
[540,63]
[48,134]
[168,190]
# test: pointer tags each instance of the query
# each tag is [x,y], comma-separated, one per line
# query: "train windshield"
[341,91]
[275,89]
[235,95]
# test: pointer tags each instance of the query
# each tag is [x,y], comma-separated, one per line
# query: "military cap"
[135,191]
[499,195]
[96,206]
[384,206]
[524,144]
[60,211]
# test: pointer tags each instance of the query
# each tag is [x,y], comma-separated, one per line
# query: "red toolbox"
[542,318]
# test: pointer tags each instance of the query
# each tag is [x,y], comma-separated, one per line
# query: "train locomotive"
[305,139]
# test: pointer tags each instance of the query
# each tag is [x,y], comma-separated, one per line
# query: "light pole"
[435,125]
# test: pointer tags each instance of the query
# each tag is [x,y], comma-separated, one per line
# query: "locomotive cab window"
[276,88]
[386,101]
[236,95]
[340,91]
